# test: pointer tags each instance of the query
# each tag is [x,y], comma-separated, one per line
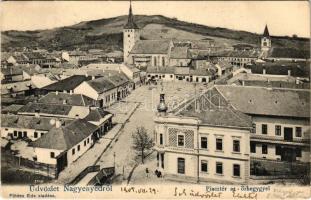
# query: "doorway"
[288,134]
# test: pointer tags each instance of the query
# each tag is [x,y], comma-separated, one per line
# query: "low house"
[100,118]
[68,99]
[105,90]
[21,126]
[299,69]
[64,143]
[54,110]
[65,85]
[18,89]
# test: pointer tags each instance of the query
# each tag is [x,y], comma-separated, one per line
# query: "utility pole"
[114,160]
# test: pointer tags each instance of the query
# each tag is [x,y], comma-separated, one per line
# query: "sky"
[282,17]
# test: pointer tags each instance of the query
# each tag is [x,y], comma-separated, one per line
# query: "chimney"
[263,71]
[243,83]
[289,72]
[93,77]
[77,116]
[58,124]
[71,92]
[56,92]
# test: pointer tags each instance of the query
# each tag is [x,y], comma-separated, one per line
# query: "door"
[62,162]
[288,154]
[288,134]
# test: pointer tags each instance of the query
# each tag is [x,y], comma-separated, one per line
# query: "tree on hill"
[142,142]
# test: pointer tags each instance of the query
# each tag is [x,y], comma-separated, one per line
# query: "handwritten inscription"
[139,190]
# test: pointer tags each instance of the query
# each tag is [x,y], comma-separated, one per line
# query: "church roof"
[266,32]
[130,20]
[151,47]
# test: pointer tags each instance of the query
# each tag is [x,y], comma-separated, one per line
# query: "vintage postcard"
[155,99]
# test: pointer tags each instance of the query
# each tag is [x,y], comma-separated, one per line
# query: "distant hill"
[107,34]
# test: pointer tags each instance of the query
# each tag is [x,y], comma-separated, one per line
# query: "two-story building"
[281,121]
[204,140]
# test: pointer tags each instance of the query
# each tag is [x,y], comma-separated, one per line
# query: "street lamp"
[114,159]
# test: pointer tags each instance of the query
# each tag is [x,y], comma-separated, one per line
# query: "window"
[35,134]
[204,166]
[84,142]
[73,151]
[181,140]
[25,133]
[161,138]
[15,133]
[204,142]
[236,170]
[163,61]
[78,147]
[253,147]
[298,132]
[264,129]
[277,130]
[42,134]
[254,128]
[298,152]
[88,140]
[171,76]
[218,168]
[180,165]
[219,144]
[278,150]
[236,145]
[264,149]
[52,155]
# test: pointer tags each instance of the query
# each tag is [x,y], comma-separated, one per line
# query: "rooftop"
[67,84]
[54,109]
[96,114]
[28,122]
[268,101]
[65,137]
[151,47]
[69,99]
[213,109]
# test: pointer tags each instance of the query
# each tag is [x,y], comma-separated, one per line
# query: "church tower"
[131,34]
[265,40]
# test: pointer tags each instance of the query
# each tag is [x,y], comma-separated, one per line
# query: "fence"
[103,176]
[277,169]
[32,166]
[89,169]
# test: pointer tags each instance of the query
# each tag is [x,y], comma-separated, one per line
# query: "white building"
[204,140]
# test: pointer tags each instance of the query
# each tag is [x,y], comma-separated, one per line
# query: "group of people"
[156,172]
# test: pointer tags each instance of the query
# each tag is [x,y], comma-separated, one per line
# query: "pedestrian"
[147,172]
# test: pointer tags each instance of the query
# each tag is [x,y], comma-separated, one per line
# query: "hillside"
[107,34]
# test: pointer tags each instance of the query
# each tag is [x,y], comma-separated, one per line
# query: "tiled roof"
[14,108]
[96,114]
[118,79]
[28,122]
[16,87]
[182,70]
[151,47]
[288,53]
[65,137]
[298,69]
[69,83]
[101,84]
[179,52]
[213,109]
[70,99]
[268,101]
[55,109]
[163,70]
